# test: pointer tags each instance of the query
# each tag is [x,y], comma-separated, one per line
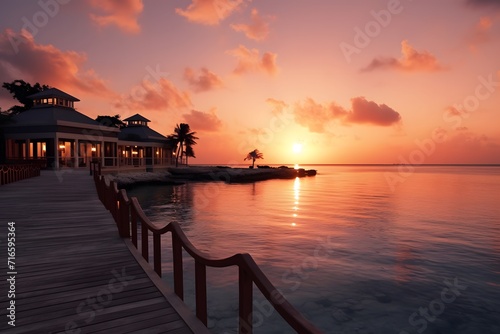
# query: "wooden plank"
[73,269]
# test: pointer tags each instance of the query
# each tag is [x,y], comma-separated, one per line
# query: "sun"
[297,148]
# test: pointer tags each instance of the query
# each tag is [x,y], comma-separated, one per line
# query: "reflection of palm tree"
[254,155]
[183,137]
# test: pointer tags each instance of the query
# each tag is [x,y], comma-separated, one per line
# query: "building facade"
[54,131]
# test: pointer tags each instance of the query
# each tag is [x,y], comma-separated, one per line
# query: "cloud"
[483,3]
[481,33]
[209,12]
[411,61]
[22,58]
[203,121]
[316,117]
[369,112]
[205,81]
[122,13]
[159,95]
[466,147]
[257,30]
[278,106]
[250,61]
[452,111]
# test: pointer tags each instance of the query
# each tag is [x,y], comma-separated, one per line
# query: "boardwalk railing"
[128,213]
[15,172]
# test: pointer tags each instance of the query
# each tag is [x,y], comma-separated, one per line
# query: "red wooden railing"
[15,172]
[128,213]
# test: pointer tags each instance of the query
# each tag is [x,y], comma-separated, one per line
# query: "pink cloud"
[210,12]
[369,112]
[203,121]
[22,58]
[411,61]
[257,30]
[160,95]
[481,33]
[250,61]
[316,116]
[484,3]
[467,147]
[453,111]
[278,105]
[121,13]
[204,81]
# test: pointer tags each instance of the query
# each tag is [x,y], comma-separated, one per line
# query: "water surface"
[352,253]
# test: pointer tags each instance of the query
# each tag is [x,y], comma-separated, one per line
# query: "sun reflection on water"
[296,193]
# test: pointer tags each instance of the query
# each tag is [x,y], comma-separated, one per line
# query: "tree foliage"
[183,137]
[111,121]
[254,155]
[20,90]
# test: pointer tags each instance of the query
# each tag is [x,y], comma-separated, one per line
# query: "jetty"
[72,273]
[79,261]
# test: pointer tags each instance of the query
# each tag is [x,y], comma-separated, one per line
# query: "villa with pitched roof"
[53,130]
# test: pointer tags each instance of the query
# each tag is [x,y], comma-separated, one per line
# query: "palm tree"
[254,155]
[189,152]
[183,136]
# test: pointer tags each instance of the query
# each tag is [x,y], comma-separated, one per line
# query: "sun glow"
[297,148]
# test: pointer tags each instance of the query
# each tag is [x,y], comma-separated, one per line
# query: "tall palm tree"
[183,136]
[254,155]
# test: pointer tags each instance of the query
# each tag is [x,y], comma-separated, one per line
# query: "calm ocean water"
[352,253]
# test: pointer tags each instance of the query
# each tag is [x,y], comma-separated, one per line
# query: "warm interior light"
[157,152]
[134,152]
[62,147]
[44,148]
[93,149]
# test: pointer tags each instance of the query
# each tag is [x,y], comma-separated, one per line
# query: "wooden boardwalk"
[74,274]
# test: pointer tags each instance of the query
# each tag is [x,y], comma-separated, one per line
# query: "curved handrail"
[128,212]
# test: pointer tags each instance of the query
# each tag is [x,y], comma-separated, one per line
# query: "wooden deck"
[74,274]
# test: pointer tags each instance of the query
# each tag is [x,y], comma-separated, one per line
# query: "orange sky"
[342,81]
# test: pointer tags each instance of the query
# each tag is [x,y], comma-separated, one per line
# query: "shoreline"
[181,175]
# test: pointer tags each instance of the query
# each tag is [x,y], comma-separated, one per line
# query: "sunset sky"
[315,81]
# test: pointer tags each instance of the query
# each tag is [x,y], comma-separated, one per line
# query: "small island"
[181,175]
[176,175]
[237,175]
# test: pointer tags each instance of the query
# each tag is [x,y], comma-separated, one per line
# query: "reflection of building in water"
[296,196]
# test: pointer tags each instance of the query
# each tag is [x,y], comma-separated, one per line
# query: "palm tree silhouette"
[254,155]
[183,136]
[189,152]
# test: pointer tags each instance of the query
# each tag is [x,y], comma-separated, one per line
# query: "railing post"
[124,215]
[178,270]
[200,273]
[157,252]
[144,241]
[133,222]
[245,302]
